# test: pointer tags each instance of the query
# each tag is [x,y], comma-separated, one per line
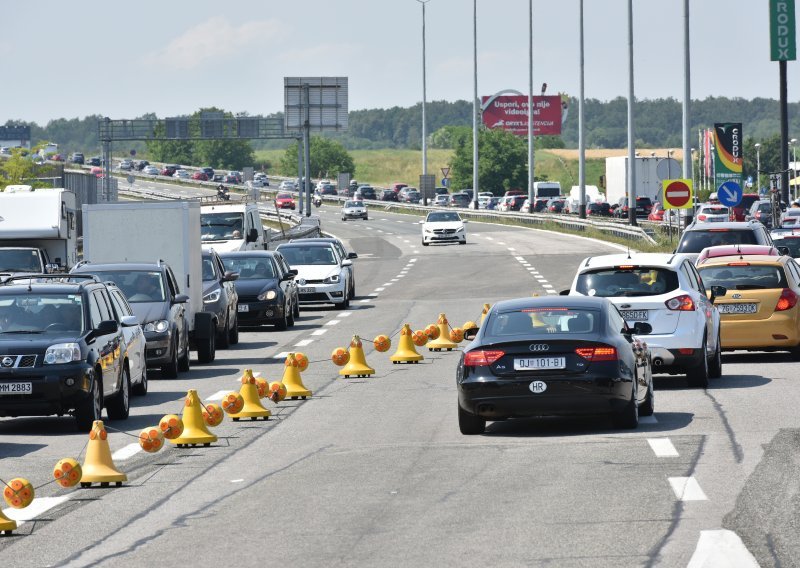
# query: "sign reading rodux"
[728,142]
[677,193]
[511,113]
[782,32]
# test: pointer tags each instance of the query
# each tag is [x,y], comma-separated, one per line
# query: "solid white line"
[721,548]
[687,489]
[333,322]
[281,355]
[128,451]
[304,342]
[662,447]
[219,395]
[344,315]
[38,506]
[322,331]
[648,420]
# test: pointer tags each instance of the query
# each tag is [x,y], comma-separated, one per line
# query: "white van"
[232,226]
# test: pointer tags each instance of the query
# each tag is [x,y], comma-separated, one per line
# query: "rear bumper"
[780,330]
[50,395]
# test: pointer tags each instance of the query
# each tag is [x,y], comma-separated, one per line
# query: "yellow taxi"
[760,310]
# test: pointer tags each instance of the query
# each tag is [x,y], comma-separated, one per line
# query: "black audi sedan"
[559,356]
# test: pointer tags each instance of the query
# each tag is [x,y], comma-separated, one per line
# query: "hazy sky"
[172,57]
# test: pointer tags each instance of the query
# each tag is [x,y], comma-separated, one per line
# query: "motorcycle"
[317,200]
[223,194]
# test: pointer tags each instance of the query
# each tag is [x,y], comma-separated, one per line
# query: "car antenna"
[629,252]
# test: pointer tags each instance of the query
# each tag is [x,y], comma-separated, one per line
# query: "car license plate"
[16,388]
[244,307]
[539,363]
[738,308]
[634,315]
[306,290]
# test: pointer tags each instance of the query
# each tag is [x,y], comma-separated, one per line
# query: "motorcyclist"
[317,199]
[222,192]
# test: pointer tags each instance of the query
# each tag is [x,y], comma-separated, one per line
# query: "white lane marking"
[501,243]
[380,231]
[394,280]
[388,219]
[281,355]
[406,241]
[381,289]
[219,395]
[389,234]
[721,548]
[387,283]
[687,489]
[127,452]
[38,506]
[648,420]
[519,258]
[344,314]
[476,234]
[541,280]
[415,252]
[366,300]
[322,331]
[369,228]
[399,221]
[333,322]
[551,291]
[400,275]
[662,447]
[236,480]
[304,342]
[490,238]
[372,295]
[547,285]
[511,248]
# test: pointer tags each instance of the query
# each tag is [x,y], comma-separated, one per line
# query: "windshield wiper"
[32,331]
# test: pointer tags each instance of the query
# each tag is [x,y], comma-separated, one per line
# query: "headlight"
[211,297]
[62,353]
[159,326]
[427,230]
[460,229]
[268,295]
[331,279]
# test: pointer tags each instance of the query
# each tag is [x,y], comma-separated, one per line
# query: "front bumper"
[259,313]
[444,237]
[323,293]
[354,215]
[50,395]
[158,347]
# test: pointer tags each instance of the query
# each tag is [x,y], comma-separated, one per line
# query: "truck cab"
[230,227]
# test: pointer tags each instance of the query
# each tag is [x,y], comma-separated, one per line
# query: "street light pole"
[424,99]
[631,149]
[475,102]
[581,126]
[531,200]
[758,167]
[793,144]
[687,157]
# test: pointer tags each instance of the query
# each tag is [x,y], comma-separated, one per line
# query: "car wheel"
[283,323]
[366,218]
[223,339]
[628,419]
[469,424]
[290,318]
[648,406]
[140,388]
[120,405]
[296,308]
[170,370]
[346,303]
[233,334]
[424,243]
[462,242]
[91,408]
[184,362]
[698,376]
[715,367]
[207,349]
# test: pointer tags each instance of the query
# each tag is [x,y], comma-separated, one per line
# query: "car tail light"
[598,353]
[738,264]
[787,301]
[701,217]
[481,358]
[682,303]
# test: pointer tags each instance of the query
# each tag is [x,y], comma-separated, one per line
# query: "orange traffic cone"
[98,467]
[443,341]
[291,378]
[357,365]
[7,525]
[252,405]
[406,352]
[195,431]
[484,311]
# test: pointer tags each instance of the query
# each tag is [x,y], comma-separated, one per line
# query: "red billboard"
[511,113]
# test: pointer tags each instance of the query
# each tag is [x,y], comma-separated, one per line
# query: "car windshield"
[40,313]
[221,226]
[305,255]
[714,210]
[792,243]
[19,260]
[250,267]
[744,276]
[139,286]
[283,196]
[628,282]
[695,241]
[542,321]
[442,217]
[353,204]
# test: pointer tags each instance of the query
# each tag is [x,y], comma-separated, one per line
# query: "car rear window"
[695,241]
[541,321]
[625,281]
[748,200]
[792,243]
[744,276]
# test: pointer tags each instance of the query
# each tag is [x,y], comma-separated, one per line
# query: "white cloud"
[214,40]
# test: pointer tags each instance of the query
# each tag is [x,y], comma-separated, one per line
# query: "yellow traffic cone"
[357,365]
[195,431]
[7,525]
[443,341]
[252,405]
[291,378]
[484,311]
[406,352]
[98,467]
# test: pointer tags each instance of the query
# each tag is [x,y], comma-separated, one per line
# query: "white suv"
[665,291]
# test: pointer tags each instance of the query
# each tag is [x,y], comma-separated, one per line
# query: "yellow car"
[760,310]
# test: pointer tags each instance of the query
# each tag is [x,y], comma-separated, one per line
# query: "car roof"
[304,242]
[664,260]
[247,254]
[741,225]
[103,266]
[573,302]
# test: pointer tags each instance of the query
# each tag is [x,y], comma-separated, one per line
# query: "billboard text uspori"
[510,112]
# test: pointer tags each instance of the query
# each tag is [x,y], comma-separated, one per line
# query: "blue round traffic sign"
[730,194]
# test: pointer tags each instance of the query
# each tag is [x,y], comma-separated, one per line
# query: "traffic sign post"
[677,193]
[730,194]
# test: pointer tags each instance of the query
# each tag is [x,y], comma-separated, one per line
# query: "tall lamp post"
[424,123]
[631,148]
[793,144]
[475,102]
[758,167]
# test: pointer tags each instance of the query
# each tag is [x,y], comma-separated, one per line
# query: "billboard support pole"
[531,178]
[300,174]
[581,127]
[475,102]
[307,150]
[631,148]
[784,134]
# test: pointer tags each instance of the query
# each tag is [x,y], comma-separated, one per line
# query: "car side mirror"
[784,251]
[717,292]
[641,328]
[230,276]
[288,276]
[471,333]
[352,255]
[51,268]
[293,272]
[347,262]
[107,327]
[252,235]
[129,321]
[180,299]
[564,293]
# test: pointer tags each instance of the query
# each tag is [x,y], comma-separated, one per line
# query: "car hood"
[443,225]
[253,287]
[228,245]
[150,311]
[24,344]
[315,272]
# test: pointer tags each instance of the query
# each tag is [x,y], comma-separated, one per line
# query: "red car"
[744,206]
[657,212]
[168,171]
[733,250]
[284,201]
[396,187]
[200,176]
[96,171]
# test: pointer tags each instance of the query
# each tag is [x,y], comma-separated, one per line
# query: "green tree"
[502,162]
[16,169]
[450,136]
[328,159]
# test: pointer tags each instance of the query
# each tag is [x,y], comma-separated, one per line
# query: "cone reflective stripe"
[443,341]
[67,472]
[195,430]
[291,378]
[486,308]
[357,365]
[7,525]
[406,353]
[251,408]
[98,467]
[18,493]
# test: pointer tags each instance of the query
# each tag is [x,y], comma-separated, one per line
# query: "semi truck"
[546,189]
[648,183]
[148,232]
[37,230]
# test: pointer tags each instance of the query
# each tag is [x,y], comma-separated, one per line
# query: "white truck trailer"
[37,230]
[648,183]
[148,232]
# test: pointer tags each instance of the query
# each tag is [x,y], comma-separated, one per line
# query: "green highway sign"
[782,32]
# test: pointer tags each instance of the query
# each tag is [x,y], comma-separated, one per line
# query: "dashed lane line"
[38,506]
[333,322]
[304,342]
[662,447]
[219,395]
[721,547]
[381,289]
[687,489]
[126,452]
[344,315]
[322,331]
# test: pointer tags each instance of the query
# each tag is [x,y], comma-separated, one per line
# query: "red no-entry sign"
[677,193]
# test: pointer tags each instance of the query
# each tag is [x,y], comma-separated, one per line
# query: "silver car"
[713,214]
[354,210]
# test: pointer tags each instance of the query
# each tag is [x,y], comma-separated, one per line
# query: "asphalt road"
[374,472]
